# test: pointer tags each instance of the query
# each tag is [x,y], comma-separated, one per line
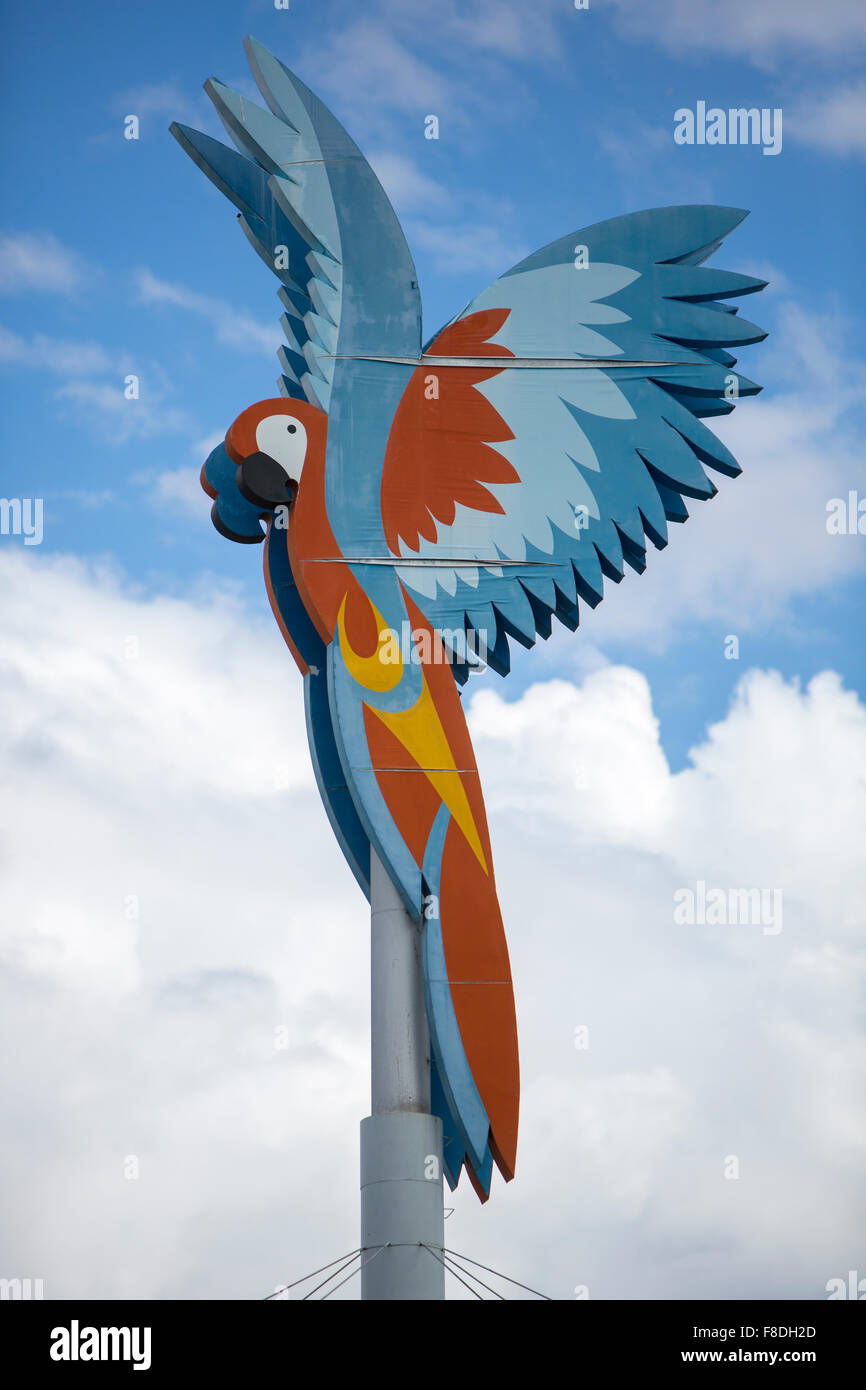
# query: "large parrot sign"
[424,506]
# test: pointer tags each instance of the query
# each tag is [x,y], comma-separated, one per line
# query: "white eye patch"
[284,439]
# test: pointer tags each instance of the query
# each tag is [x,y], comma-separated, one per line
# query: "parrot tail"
[467,975]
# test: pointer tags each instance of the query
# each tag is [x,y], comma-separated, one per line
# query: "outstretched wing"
[348,282]
[554,427]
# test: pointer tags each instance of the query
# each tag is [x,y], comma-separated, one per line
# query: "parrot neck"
[322,587]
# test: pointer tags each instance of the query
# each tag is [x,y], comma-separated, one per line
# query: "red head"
[270,442]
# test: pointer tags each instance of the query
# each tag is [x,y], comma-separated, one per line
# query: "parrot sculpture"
[423,506]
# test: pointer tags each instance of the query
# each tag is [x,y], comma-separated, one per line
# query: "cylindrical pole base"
[400,1042]
[402,1207]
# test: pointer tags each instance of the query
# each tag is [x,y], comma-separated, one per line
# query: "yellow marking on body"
[383,670]
[419,730]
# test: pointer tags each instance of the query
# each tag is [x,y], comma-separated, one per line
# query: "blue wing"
[348,283]
[618,345]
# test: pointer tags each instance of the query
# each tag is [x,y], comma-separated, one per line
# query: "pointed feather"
[273,143]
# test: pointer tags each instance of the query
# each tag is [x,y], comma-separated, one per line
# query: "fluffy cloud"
[705,1042]
[483,28]
[368,65]
[181,485]
[465,246]
[162,99]
[38,261]
[185,970]
[152,990]
[54,355]
[112,416]
[92,377]
[386,54]
[835,122]
[760,33]
[408,188]
[233,328]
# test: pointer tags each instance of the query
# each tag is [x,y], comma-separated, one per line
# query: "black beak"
[265,483]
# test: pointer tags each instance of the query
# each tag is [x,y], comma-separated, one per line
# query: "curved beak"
[265,483]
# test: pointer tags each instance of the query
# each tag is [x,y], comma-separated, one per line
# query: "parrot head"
[259,467]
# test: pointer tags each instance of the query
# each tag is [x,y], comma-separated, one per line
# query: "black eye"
[293,429]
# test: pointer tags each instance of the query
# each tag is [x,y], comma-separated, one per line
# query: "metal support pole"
[401,1142]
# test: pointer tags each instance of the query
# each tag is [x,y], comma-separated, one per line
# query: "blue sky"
[133,263]
[195,899]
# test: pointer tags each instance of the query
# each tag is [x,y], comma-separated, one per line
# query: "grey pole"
[401,1142]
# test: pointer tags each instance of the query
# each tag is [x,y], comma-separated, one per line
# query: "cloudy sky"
[184,960]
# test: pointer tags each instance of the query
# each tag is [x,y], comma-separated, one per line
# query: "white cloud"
[778,282]
[181,485]
[156,753]
[759,33]
[156,99]
[402,60]
[510,30]
[38,261]
[464,246]
[367,66]
[601,782]
[478,29]
[408,188]
[55,355]
[633,149]
[378,59]
[704,1042]
[118,419]
[835,122]
[90,499]
[466,239]
[157,104]
[202,447]
[102,405]
[233,328]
